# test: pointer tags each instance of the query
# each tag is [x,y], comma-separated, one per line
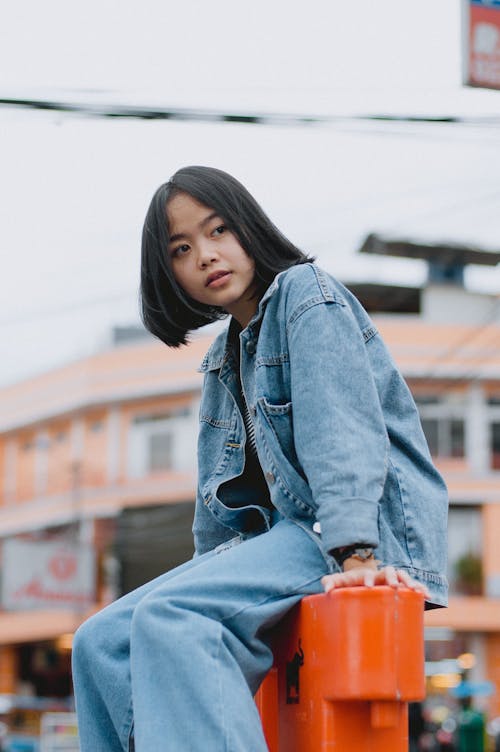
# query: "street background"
[344,120]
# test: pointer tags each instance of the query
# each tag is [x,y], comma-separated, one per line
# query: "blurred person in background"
[471,728]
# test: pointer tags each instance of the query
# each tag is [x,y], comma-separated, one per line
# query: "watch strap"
[360,551]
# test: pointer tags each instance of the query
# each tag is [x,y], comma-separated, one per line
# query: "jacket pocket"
[214,450]
[279,418]
[277,435]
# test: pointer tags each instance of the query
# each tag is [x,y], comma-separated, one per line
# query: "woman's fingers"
[359,576]
[371,577]
[390,576]
[413,584]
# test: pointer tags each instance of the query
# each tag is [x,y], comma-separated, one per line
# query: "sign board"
[59,733]
[47,575]
[481,43]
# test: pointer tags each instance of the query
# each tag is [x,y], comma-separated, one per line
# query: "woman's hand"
[368,575]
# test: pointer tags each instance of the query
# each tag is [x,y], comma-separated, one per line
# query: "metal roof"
[443,252]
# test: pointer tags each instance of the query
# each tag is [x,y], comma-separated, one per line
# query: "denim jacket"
[338,434]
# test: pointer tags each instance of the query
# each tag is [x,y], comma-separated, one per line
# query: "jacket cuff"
[347,522]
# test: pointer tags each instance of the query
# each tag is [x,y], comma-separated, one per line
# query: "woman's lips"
[218,280]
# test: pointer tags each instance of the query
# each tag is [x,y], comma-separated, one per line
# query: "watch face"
[357,551]
[363,553]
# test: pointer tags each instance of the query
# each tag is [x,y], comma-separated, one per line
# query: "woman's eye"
[181,250]
[219,230]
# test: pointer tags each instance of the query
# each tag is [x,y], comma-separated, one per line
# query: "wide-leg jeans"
[173,666]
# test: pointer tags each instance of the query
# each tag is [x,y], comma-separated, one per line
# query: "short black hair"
[166,310]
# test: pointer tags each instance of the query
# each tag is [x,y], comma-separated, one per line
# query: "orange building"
[98,467]
[97,495]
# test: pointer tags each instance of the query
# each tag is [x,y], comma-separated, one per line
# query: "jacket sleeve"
[339,430]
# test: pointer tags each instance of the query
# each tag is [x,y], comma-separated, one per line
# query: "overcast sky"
[74,190]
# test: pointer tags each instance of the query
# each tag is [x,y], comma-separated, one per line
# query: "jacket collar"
[220,349]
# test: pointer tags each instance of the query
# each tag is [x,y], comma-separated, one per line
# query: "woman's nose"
[206,254]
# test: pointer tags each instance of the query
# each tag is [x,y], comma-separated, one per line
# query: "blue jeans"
[175,663]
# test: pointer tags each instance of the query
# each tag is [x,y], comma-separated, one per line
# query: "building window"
[430,426]
[443,425]
[162,441]
[457,438]
[464,550]
[160,451]
[495,446]
[445,437]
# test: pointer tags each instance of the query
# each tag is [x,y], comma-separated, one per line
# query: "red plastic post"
[346,665]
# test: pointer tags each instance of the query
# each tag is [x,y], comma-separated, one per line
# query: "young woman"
[313,474]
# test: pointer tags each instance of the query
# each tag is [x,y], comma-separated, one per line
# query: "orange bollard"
[346,665]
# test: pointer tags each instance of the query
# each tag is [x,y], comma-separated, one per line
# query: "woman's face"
[207,259]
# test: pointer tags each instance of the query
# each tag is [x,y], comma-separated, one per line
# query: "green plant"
[469,573]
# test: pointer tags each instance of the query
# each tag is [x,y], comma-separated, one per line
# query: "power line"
[145,112]
[158,113]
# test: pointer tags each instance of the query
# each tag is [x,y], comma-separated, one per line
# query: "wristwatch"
[359,551]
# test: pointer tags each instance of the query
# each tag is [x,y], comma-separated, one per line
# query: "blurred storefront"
[97,497]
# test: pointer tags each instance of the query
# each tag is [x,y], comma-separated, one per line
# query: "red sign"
[46,574]
[482,44]
[63,565]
